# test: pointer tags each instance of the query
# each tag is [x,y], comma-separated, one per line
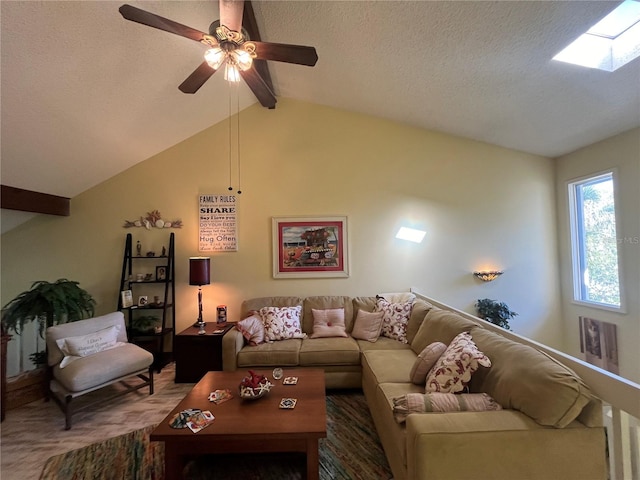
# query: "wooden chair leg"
[151,380]
[67,412]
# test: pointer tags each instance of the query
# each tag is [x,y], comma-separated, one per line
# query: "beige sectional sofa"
[550,426]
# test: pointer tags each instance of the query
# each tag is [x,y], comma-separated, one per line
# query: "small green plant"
[495,312]
[144,323]
[39,358]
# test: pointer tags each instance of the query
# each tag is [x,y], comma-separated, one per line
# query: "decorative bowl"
[254,386]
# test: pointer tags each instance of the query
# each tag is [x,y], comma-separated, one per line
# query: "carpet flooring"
[95,444]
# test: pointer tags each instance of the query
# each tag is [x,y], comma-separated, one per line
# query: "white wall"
[482,207]
[621,152]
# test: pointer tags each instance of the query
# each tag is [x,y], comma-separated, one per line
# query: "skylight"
[611,43]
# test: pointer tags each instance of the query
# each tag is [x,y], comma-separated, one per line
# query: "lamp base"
[199,324]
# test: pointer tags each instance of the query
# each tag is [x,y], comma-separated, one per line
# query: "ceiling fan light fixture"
[215,57]
[231,73]
[242,59]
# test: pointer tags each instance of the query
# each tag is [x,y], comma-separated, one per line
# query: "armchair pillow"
[454,368]
[367,326]
[281,323]
[80,346]
[328,323]
[442,402]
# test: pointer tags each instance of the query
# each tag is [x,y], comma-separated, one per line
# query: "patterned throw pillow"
[281,323]
[442,402]
[252,329]
[454,368]
[395,318]
[367,326]
[328,323]
[427,359]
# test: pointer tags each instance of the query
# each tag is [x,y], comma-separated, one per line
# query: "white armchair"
[90,354]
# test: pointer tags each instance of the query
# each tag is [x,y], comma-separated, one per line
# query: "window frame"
[578,248]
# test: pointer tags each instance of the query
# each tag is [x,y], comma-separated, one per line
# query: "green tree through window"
[595,249]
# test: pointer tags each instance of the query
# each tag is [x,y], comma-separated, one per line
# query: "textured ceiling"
[86,94]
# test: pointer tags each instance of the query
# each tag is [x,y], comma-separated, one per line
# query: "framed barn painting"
[310,247]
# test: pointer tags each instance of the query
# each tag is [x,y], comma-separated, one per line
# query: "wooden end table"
[250,426]
[196,354]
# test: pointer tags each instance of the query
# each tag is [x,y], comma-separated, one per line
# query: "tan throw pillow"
[252,329]
[395,318]
[425,361]
[454,368]
[281,323]
[367,326]
[442,402]
[328,323]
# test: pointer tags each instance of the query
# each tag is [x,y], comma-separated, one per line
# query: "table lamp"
[199,274]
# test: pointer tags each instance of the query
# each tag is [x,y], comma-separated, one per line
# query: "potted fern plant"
[495,312]
[48,303]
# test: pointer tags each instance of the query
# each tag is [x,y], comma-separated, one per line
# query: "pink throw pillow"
[328,323]
[252,329]
[367,326]
[425,361]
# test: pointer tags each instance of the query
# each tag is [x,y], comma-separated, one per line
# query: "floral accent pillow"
[395,318]
[425,361]
[454,368]
[281,323]
[328,323]
[252,329]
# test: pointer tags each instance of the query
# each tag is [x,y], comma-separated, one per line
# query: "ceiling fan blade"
[259,88]
[231,14]
[281,52]
[197,78]
[152,20]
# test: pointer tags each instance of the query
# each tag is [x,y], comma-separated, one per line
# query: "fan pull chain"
[238,137]
[229,123]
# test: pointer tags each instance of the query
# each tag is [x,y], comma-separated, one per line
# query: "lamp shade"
[199,270]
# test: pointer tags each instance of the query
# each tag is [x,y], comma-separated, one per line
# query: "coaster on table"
[288,403]
[290,381]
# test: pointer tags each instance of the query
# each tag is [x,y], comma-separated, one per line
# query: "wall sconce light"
[411,234]
[488,276]
[199,274]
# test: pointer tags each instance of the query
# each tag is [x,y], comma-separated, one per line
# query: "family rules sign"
[218,223]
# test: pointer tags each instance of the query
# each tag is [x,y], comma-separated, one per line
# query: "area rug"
[351,450]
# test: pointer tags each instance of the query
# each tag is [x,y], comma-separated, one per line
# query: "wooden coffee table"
[250,426]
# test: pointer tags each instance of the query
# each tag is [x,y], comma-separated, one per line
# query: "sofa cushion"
[284,353]
[441,402]
[395,318]
[328,323]
[367,326]
[255,304]
[324,302]
[329,351]
[103,367]
[425,361]
[418,314]
[527,380]
[388,365]
[281,323]
[440,326]
[383,343]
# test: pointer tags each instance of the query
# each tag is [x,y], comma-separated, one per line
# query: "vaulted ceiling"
[86,94]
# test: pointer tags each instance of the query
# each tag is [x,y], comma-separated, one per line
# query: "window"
[594,245]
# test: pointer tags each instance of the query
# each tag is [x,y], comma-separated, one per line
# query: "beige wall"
[621,152]
[482,207]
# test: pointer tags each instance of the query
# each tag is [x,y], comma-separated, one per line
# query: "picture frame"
[126,297]
[161,273]
[143,301]
[310,247]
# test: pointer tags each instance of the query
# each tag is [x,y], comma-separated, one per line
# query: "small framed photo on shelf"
[127,298]
[143,301]
[161,273]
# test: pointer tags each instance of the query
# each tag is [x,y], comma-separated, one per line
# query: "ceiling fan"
[229,45]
